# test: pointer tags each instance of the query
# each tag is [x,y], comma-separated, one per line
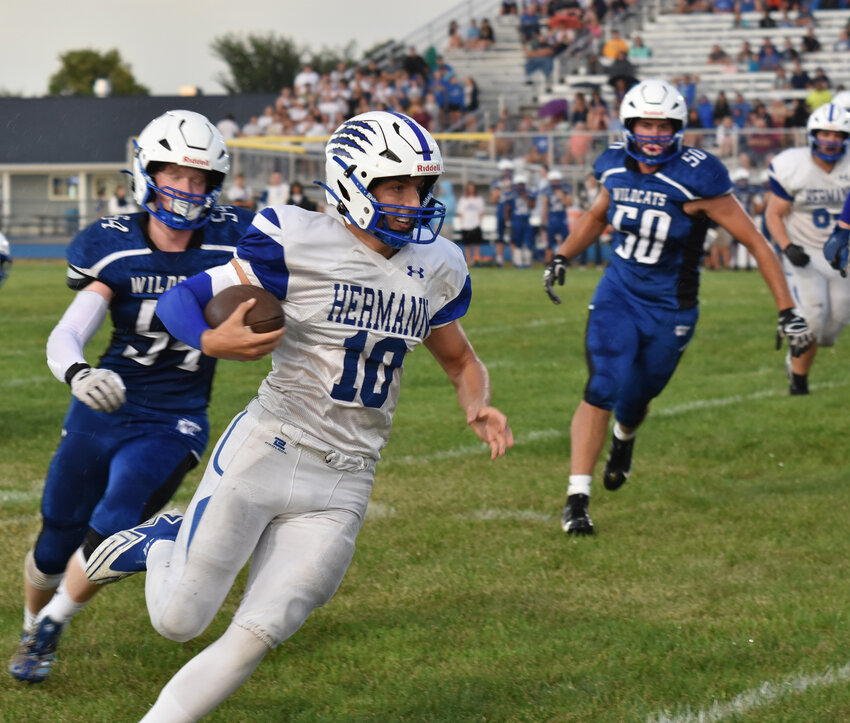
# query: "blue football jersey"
[159,372]
[657,247]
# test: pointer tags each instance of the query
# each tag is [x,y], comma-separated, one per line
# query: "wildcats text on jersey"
[153,285]
[826,195]
[639,195]
[367,308]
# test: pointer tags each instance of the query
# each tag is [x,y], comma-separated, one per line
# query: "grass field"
[716,587]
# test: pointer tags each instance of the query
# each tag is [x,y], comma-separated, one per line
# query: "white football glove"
[794,328]
[101,389]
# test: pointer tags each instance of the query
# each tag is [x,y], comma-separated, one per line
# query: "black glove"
[796,330]
[796,255]
[555,271]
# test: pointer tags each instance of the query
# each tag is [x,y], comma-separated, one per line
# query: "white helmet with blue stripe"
[829,117]
[384,144]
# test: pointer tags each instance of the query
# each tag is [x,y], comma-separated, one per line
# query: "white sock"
[61,607]
[29,620]
[579,485]
[209,678]
[621,435]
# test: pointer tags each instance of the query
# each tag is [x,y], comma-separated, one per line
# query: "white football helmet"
[187,139]
[520,180]
[829,117]
[505,165]
[383,144]
[5,259]
[842,99]
[554,175]
[653,98]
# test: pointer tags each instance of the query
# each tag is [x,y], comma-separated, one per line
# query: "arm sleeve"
[75,329]
[181,309]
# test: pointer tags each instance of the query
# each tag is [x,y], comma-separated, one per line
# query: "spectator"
[687,86]
[529,22]
[228,127]
[638,51]
[743,56]
[820,74]
[769,57]
[417,111]
[470,94]
[762,142]
[239,194]
[718,56]
[251,128]
[809,43]
[780,80]
[538,57]
[766,21]
[470,212]
[622,75]
[578,145]
[486,37]
[119,204]
[454,100]
[705,110]
[593,65]
[842,45]
[789,53]
[579,109]
[297,198]
[306,81]
[727,138]
[456,40]
[509,7]
[472,34]
[614,45]
[740,111]
[804,15]
[415,65]
[721,107]
[819,95]
[277,192]
[446,196]
[800,79]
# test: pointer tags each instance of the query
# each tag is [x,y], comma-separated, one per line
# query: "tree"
[265,63]
[80,69]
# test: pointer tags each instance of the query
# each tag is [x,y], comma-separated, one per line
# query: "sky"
[166,43]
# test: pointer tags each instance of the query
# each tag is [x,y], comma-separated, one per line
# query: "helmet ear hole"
[343,191]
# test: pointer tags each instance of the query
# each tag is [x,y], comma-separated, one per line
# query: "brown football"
[265,315]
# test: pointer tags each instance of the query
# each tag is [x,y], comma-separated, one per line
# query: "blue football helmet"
[187,139]
[376,145]
[653,99]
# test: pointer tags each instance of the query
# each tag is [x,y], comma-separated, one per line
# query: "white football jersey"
[351,317]
[818,197]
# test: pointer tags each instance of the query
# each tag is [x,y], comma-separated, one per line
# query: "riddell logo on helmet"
[428,168]
[196,161]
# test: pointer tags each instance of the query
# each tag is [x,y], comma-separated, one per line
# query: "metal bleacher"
[681,43]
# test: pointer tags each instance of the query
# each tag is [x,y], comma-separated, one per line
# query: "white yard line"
[696,405]
[767,693]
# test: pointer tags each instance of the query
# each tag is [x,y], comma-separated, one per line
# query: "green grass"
[720,567]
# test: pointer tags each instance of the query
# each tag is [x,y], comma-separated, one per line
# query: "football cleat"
[619,463]
[36,653]
[575,520]
[126,552]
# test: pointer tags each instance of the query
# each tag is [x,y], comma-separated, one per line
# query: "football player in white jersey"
[290,478]
[808,186]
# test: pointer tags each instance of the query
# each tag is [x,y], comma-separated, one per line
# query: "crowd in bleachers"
[317,103]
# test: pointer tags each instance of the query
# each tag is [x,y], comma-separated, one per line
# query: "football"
[266,315]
